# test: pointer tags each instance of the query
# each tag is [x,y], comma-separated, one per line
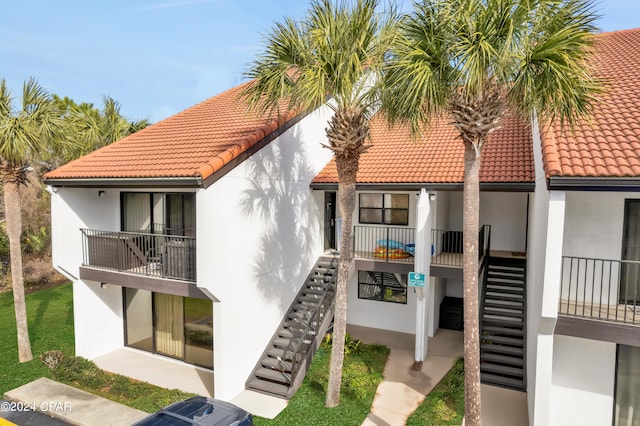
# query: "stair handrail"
[296,347]
[300,349]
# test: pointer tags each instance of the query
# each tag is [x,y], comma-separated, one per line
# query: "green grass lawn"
[444,405]
[50,315]
[362,373]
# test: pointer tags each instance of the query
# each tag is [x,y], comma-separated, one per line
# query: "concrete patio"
[402,390]
[158,370]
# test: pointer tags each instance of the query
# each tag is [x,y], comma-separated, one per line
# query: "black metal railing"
[152,255]
[602,289]
[447,246]
[397,244]
[385,243]
[302,346]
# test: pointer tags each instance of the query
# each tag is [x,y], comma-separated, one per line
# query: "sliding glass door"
[169,311]
[139,318]
[627,397]
[174,326]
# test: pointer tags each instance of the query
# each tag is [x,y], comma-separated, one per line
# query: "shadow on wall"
[280,197]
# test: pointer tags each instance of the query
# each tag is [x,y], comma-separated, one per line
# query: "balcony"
[159,256]
[397,245]
[600,289]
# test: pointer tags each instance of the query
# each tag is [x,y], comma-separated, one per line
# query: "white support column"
[550,299]
[423,265]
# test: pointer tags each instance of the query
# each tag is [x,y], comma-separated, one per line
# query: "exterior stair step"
[492,302]
[501,369]
[312,299]
[281,342]
[502,312]
[498,380]
[276,364]
[513,341]
[505,289]
[274,375]
[280,354]
[501,359]
[290,333]
[514,282]
[503,330]
[505,297]
[268,387]
[511,350]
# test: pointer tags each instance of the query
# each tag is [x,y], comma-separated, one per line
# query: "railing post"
[387,242]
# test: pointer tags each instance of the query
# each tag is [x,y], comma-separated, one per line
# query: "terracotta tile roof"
[437,157]
[196,142]
[607,145]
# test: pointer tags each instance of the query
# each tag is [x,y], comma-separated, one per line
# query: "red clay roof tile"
[608,143]
[196,142]
[437,157]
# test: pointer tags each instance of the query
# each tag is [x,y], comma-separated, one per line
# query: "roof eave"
[598,183]
[488,186]
[149,182]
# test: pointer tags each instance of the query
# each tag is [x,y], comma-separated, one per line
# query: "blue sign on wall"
[416,279]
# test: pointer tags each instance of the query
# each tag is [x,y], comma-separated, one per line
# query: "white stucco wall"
[506,212]
[98,324]
[594,224]
[73,209]
[260,231]
[583,382]
[383,315]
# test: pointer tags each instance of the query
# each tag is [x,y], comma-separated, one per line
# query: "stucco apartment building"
[209,238]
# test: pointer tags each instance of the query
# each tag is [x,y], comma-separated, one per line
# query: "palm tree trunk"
[13,217]
[471,222]
[347,203]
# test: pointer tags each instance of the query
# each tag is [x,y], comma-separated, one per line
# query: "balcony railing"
[151,255]
[384,243]
[601,289]
[397,244]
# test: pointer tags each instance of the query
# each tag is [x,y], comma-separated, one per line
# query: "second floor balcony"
[600,289]
[162,256]
[397,244]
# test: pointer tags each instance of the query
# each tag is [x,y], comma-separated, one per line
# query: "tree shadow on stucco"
[279,195]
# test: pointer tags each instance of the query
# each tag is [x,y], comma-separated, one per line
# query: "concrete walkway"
[73,405]
[403,388]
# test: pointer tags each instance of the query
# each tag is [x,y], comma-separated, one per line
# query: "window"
[627,396]
[175,326]
[159,213]
[382,286]
[388,209]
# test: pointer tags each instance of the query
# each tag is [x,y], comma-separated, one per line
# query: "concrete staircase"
[503,324]
[289,353]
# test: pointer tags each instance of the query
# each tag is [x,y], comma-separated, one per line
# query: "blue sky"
[157,57]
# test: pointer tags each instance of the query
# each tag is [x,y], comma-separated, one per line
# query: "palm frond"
[328,54]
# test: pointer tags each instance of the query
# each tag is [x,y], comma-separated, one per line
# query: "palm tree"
[90,129]
[333,57]
[475,60]
[25,135]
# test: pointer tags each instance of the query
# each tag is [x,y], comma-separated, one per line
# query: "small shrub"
[351,345]
[80,371]
[52,358]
